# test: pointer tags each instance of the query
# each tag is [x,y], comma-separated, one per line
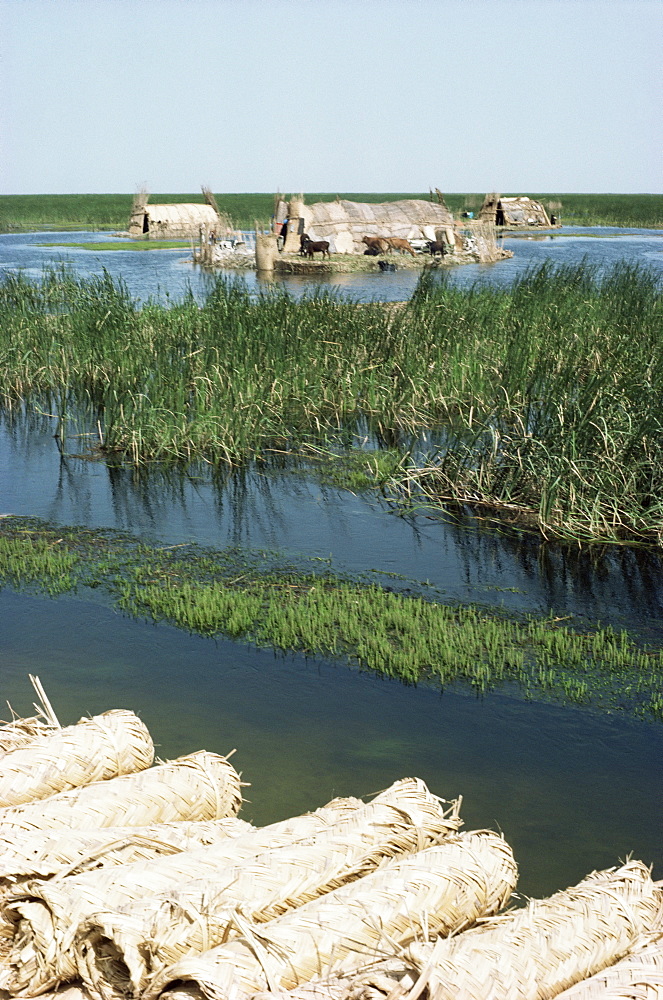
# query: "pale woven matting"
[442,889]
[118,952]
[95,749]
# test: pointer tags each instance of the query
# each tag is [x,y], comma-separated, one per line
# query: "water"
[166,275]
[572,790]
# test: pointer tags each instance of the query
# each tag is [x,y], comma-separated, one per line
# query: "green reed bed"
[260,598]
[553,393]
[547,394]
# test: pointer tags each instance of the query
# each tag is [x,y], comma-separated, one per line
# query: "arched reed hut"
[517,211]
[345,223]
[182,220]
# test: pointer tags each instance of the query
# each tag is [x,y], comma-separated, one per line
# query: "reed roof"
[406,218]
[515,211]
[180,214]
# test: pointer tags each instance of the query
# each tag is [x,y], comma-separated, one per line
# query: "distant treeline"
[111,211]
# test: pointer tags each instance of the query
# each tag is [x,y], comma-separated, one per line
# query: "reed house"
[177,221]
[346,223]
[516,211]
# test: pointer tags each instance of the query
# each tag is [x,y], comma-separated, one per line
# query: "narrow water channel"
[572,790]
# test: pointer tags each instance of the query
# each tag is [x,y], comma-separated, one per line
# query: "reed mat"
[407,633]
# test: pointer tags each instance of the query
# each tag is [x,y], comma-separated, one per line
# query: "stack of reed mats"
[125,878]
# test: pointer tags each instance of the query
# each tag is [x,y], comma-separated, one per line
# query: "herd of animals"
[375,245]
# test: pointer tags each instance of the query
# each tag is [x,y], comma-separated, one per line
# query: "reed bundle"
[44,854]
[119,952]
[637,976]
[439,890]
[551,944]
[95,749]
[39,925]
[198,786]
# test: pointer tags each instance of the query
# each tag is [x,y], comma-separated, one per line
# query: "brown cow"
[396,243]
[376,243]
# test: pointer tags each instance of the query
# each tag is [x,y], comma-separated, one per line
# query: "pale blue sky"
[330,95]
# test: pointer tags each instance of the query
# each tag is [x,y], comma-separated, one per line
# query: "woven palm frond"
[95,749]
[637,976]
[46,853]
[551,944]
[39,924]
[439,890]
[199,786]
[118,952]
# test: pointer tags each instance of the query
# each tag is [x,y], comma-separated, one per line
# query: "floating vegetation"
[409,634]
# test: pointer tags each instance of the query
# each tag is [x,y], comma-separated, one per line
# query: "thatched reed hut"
[183,220]
[345,223]
[516,211]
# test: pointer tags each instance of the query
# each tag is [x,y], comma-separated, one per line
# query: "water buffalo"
[321,246]
[308,247]
[437,246]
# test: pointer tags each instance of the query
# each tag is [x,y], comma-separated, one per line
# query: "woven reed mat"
[39,924]
[73,991]
[199,786]
[47,853]
[118,952]
[439,890]
[95,749]
[551,944]
[638,976]
[20,732]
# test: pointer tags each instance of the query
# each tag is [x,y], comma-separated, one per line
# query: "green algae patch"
[125,245]
[411,634]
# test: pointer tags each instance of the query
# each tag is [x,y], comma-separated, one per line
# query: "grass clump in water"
[258,598]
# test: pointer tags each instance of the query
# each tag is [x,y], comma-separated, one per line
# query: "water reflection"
[279,508]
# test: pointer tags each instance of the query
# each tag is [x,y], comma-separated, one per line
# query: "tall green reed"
[547,393]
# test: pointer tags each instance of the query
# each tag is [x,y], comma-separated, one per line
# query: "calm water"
[167,274]
[571,790]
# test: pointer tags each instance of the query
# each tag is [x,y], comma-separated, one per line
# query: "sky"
[332,96]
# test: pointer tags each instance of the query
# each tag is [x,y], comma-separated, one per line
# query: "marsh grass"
[112,211]
[552,391]
[410,634]
[544,398]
